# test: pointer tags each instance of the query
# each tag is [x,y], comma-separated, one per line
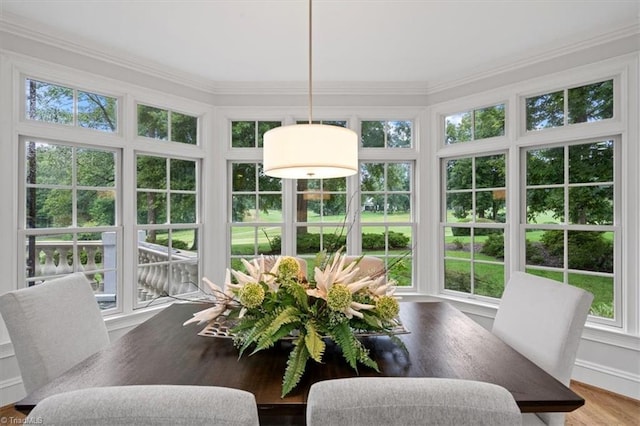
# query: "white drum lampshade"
[310,151]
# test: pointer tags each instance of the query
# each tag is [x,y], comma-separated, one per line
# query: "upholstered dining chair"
[148,405]
[543,319]
[372,401]
[53,326]
[369,265]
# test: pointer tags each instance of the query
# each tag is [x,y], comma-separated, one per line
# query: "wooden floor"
[602,408]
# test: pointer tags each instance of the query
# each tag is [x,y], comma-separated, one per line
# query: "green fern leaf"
[270,334]
[344,338]
[313,341]
[295,366]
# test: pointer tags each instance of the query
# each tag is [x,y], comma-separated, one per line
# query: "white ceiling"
[426,41]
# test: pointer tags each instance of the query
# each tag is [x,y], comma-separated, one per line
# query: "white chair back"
[373,401]
[148,405]
[543,320]
[52,327]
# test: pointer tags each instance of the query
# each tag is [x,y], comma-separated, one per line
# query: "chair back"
[543,320]
[52,327]
[369,265]
[148,405]
[373,401]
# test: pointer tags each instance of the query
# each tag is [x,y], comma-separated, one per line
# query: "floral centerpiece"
[267,304]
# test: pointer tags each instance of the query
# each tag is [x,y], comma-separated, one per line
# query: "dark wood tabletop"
[443,342]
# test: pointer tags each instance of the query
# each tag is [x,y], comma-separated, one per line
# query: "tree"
[588,163]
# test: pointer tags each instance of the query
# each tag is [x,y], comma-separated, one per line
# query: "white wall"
[608,358]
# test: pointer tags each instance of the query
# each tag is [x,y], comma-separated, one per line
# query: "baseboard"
[11,390]
[611,379]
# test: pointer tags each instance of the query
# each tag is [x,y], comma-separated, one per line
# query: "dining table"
[441,342]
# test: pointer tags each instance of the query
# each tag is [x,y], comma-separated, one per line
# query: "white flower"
[223,298]
[381,287]
[337,273]
[257,273]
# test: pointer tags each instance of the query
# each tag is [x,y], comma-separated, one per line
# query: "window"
[386,134]
[63,105]
[250,134]
[386,216]
[256,217]
[588,103]
[476,124]
[302,217]
[474,223]
[69,214]
[570,215]
[168,226]
[162,124]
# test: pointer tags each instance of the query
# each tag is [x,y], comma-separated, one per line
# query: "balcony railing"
[161,271]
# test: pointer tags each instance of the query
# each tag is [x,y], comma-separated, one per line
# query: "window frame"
[615,227]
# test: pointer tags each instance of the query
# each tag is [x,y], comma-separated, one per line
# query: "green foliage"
[459,231]
[296,365]
[588,250]
[313,341]
[457,280]
[494,246]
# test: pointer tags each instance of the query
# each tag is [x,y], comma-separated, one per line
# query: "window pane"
[151,172]
[244,208]
[545,111]
[96,208]
[183,208]
[590,251]
[244,177]
[53,207]
[591,162]
[545,248]
[243,134]
[592,205]
[97,112]
[152,207]
[53,255]
[457,275]
[589,103]
[490,172]
[602,290]
[399,177]
[372,176]
[373,134]
[95,167]
[458,128]
[153,122]
[270,208]
[545,166]
[488,279]
[184,128]
[459,206]
[48,164]
[183,175]
[459,174]
[399,208]
[308,240]
[491,206]
[489,122]
[399,134]
[457,242]
[48,102]
[545,205]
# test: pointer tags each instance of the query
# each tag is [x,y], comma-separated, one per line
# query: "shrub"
[373,241]
[466,232]
[458,281]
[397,240]
[494,246]
[588,251]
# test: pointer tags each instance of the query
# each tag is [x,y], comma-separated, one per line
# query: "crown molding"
[541,55]
[25,28]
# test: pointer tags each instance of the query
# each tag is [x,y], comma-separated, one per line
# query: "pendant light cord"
[310,65]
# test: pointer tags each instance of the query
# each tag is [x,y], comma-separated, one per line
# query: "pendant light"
[310,151]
